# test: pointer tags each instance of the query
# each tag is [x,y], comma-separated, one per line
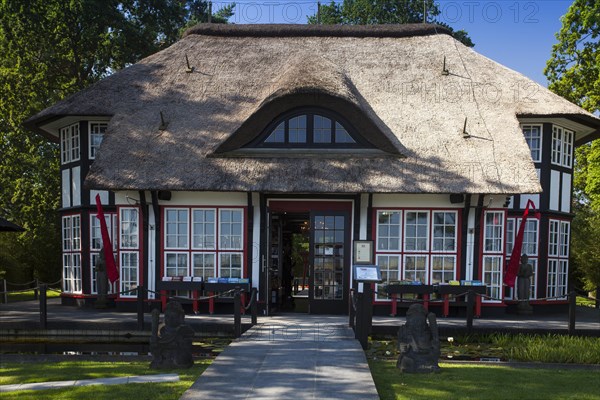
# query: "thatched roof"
[387,80]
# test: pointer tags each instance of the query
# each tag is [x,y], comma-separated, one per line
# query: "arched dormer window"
[309,128]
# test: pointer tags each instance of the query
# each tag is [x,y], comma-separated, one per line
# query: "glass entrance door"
[329,254]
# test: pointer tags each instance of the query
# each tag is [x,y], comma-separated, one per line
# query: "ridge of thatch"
[457,130]
[300,30]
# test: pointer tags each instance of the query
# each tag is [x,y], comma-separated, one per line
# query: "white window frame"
[492,277]
[558,259]
[383,261]
[232,237]
[528,133]
[127,270]
[179,269]
[564,239]
[72,282]
[444,238]
[204,275]
[444,271]
[558,279]
[389,237]
[229,267]
[204,244]
[562,146]
[495,240]
[129,228]
[385,236]
[71,260]
[178,223]
[96,130]
[70,150]
[67,232]
[568,137]
[192,226]
[420,274]
[553,238]
[492,261]
[417,225]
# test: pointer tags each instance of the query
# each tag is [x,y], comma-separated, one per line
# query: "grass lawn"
[29,295]
[585,301]
[457,381]
[11,373]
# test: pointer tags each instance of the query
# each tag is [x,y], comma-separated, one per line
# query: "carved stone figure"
[418,342]
[101,281]
[171,345]
[523,283]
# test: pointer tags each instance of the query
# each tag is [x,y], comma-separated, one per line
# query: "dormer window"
[309,128]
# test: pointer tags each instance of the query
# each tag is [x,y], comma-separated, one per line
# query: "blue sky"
[516,33]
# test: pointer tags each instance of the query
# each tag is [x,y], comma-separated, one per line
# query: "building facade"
[264,152]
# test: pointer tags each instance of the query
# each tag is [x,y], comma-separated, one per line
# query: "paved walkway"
[87,382]
[289,357]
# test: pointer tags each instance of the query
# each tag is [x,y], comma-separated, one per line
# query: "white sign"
[366,273]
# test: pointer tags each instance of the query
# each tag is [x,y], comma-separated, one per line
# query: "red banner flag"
[515,257]
[111,268]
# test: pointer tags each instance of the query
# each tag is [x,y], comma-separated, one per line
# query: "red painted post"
[394,305]
[446,311]
[211,303]
[477,305]
[426,301]
[163,300]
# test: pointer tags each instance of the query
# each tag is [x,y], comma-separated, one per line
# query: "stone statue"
[171,346]
[101,281]
[523,284]
[418,341]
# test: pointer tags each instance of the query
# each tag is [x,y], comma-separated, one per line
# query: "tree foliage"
[573,72]
[50,49]
[368,12]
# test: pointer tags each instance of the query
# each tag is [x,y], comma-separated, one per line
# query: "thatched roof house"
[210,153]
[388,81]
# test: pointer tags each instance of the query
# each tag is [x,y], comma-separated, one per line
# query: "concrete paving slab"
[303,357]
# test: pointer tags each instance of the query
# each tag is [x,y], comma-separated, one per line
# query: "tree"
[368,12]
[50,49]
[573,72]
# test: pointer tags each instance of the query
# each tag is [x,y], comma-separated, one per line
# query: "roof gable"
[313,81]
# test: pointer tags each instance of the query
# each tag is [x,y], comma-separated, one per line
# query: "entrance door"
[330,264]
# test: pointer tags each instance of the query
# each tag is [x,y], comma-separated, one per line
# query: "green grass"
[457,381]
[521,347]
[585,302]
[549,348]
[29,295]
[11,373]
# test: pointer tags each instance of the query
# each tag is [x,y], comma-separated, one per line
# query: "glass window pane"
[321,129]
[297,129]
[341,135]
[278,134]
